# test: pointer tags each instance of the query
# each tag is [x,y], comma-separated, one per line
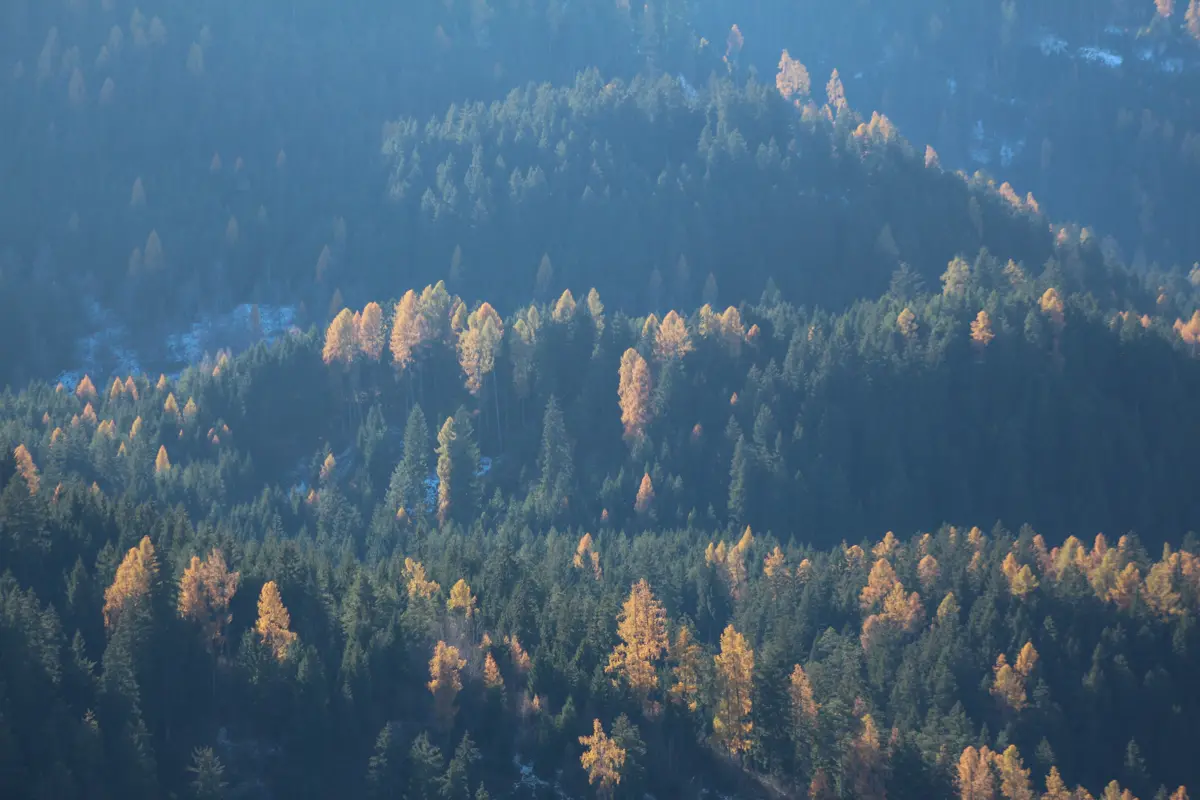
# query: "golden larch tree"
[792,80]
[867,763]
[564,309]
[835,92]
[135,577]
[686,657]
[775,564]
[516,652]
[804,707]
[928,572]
[1192,19]
[956,277]
[672,341]
[596,311]
[603,759]
[931,158]
[162,464]
[1052,306]
[975,778]
[479,344]
[445,463]
[1014,778]
[879,584]
[732,725]
[491,673]
[906,323]
[27,469]
[341,339]
[461,599]
[205,592]
[445,682]
[981,330]
[86,390]
[406,331]
[274,621]
[1056,789]
[633,392]
[644,501]
[1165,8]
[642,629]
[419,586]
[370,331]
[1008,685]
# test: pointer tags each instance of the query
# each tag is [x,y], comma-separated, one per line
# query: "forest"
[653,418]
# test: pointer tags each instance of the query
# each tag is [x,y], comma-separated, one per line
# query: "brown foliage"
[445,683]
[205,591]
[132,584]
[634,394]
[26,468]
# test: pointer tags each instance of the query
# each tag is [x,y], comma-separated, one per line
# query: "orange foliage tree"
[732,725]
[634,394]
[205,591]
[26,468]
[274,621]
[135,578]
[603,759]
[445,682]
[642,628]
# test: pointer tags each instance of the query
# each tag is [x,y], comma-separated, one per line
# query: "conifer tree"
[686,657]
[732,725]
[162,464]
[406,490]
[642,628]
[634,393]
[133,582]
[406,332]
[274,622]
[445,683]
[981,330]
[445,468]
[461,599]
[672,341]
[564,309]
[975,778]
[644,502]
[205,592]
[792,81]
[602,758]
[341,339]
[27,469]
[370,331]
[555,462]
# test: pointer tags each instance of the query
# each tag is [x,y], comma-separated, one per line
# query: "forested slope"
[679,450]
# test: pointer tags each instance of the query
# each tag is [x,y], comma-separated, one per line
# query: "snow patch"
[1100,56]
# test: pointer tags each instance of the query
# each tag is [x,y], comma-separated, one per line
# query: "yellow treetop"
[732,726]
[1008,685]
[520,658]
[775,564]
[975,778]
[461,599]
[602,757]
[479,344]
[162,464]
[491,673]
[1052,306]
[1055,788]
[328,467]
[27,469]
[418,584]
[879,584]
[564,309]
[948,608]
[642,628]
[981,330]
[341,339]
[116,390]
[928,572]
[672,341]
[134,579]
[205,592]
[86,390]
[274,621]
[645,496]
[633,392]
[370,331]
[686,655]
[190,409]
[792,81]
[906,323]
[1014,778]
[171,406]
[956,277]
[406,331]
[445,682]
[804,707]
